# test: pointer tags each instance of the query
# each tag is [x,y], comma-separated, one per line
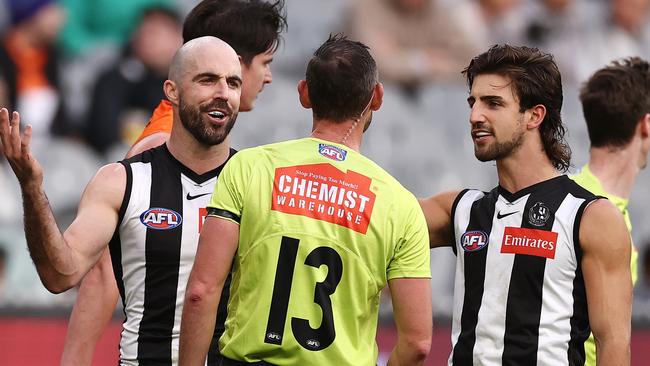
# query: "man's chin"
[213,140]
[246,105]
[484,156]
[483,159]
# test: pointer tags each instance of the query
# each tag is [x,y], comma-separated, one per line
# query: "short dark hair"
[341,77]
[250,27]
[536,80]
[614,100]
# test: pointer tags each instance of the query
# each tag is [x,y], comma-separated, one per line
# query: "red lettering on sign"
[323,192]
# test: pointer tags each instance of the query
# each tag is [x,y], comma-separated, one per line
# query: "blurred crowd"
[89,72]
[92,70]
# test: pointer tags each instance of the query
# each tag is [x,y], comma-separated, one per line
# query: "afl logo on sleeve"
[161,218]
[473,241]
[332,152]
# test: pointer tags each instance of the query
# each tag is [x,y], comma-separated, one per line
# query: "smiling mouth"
[480,134]
[217,116]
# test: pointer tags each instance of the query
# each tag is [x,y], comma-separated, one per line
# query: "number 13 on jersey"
[308,337]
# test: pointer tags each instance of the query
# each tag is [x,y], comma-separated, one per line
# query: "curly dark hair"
[536,80]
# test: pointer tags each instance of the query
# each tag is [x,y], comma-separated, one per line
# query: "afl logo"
[539,214]
[313,344]
[273,337]
[473,241]
[161,218]
[332,152]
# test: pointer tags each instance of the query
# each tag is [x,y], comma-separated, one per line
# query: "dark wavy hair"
[341,77]
[614,100]
[250,27]
[536,80]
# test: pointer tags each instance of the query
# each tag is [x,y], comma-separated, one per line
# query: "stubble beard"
[501,150]
[204,131]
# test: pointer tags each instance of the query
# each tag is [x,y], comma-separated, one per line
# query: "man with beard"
[252,28]
[313,230]
[149,209]
[540,260]
[616,106]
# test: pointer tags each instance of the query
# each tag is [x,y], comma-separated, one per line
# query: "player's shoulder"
[108,183]
[148,155]
[576,186]
[600,211]
[295,146]
[602,224]
[249,155]
[111,171]
[284,150]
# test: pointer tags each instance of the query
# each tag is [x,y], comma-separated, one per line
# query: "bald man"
[148,209]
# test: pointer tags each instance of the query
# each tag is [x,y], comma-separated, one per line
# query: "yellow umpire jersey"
[589,181]
[322,231]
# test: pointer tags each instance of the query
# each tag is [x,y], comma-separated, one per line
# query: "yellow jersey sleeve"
[412,257]
[228,197]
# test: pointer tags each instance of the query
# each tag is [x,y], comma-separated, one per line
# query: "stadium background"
[423,141]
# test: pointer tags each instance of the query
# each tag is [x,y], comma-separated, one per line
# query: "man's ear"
[171,91]
[303,92]
[536,116]
[242,63]
[377,97]
[644,126]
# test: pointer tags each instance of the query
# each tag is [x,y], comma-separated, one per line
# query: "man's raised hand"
[15,147]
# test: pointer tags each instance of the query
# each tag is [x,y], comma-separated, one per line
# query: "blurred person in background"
[92,38]
[95,24]
[133,85]
[147,210]
[616,107]
[4,16]
[253,28]
[550,20]
[623,32]
[489,22]
[29,64]
[557,25]
[415,42]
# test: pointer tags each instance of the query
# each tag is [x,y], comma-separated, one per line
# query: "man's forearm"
[47,247]
[613,353]
[196,331]
[92,311]
[404,355]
